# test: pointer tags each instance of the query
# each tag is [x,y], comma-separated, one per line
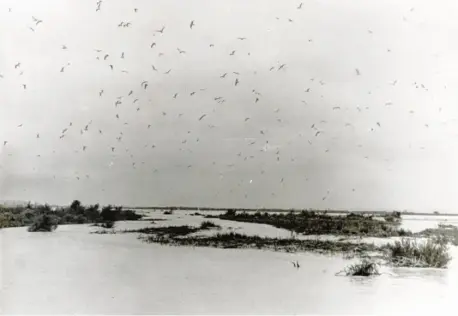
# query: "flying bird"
[175,95]
[101,92]
[191,24]
[300,6]
[281,66]
[241,38]
[24,86]
[5,142]
[153,44]
[17,65]
[357,72]
[111,66]
[154,68]
[20,125]
[181,51]
[64,47]
[161,30]
[122,55]
[167,72]
[232,53]
[200,118]
[223,75]
[236,81]
[38,135]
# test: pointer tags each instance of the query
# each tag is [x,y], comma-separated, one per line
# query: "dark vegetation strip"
[45,218]
[283,210]
[235,240]
[311,223]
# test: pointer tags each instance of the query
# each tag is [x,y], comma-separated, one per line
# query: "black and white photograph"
[228,157]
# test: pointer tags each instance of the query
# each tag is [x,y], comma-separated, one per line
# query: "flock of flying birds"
[135,99]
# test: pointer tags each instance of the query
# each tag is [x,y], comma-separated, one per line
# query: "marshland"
[237,157]
[212,251]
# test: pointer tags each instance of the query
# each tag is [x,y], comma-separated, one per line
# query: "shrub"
[168,212]
[208,225]
[410,253]
[108,214]
[43,223]
[364,268]
[230,212]
[108,224]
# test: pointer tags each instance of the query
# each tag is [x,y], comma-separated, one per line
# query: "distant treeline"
[328,211]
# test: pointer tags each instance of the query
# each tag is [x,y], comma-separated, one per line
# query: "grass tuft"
[364,268]
[432,253]
[209,225]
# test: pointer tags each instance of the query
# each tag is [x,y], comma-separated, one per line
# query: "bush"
[409,253]
[108,224]
[168,212]
[364,268]
[43,223]
[208,225]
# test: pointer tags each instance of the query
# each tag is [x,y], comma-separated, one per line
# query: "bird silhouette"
[101,92]
[200,118]
[281,66]
[167,72]
[181,51]
[111,66]
[161,30]
[154,68]
[300,6]
[241,38]
[64,47]
[191,24]
[236,81]
[223,75]
[153,44]
[232,53]
[357,72]
[122,55]
[105,57]
[17,65]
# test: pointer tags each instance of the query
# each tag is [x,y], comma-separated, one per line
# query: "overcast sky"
[376,79]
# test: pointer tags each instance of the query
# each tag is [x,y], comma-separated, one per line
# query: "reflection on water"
[72,271]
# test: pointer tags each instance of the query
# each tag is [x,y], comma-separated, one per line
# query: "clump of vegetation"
[449,233]
[106,224]
[43,223]
[179,236]
[165,231]
[432,253]
[313,223]
[209,225]
[76,213]
[168,212]
[364,268]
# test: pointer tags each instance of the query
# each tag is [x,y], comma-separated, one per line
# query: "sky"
[338,104]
